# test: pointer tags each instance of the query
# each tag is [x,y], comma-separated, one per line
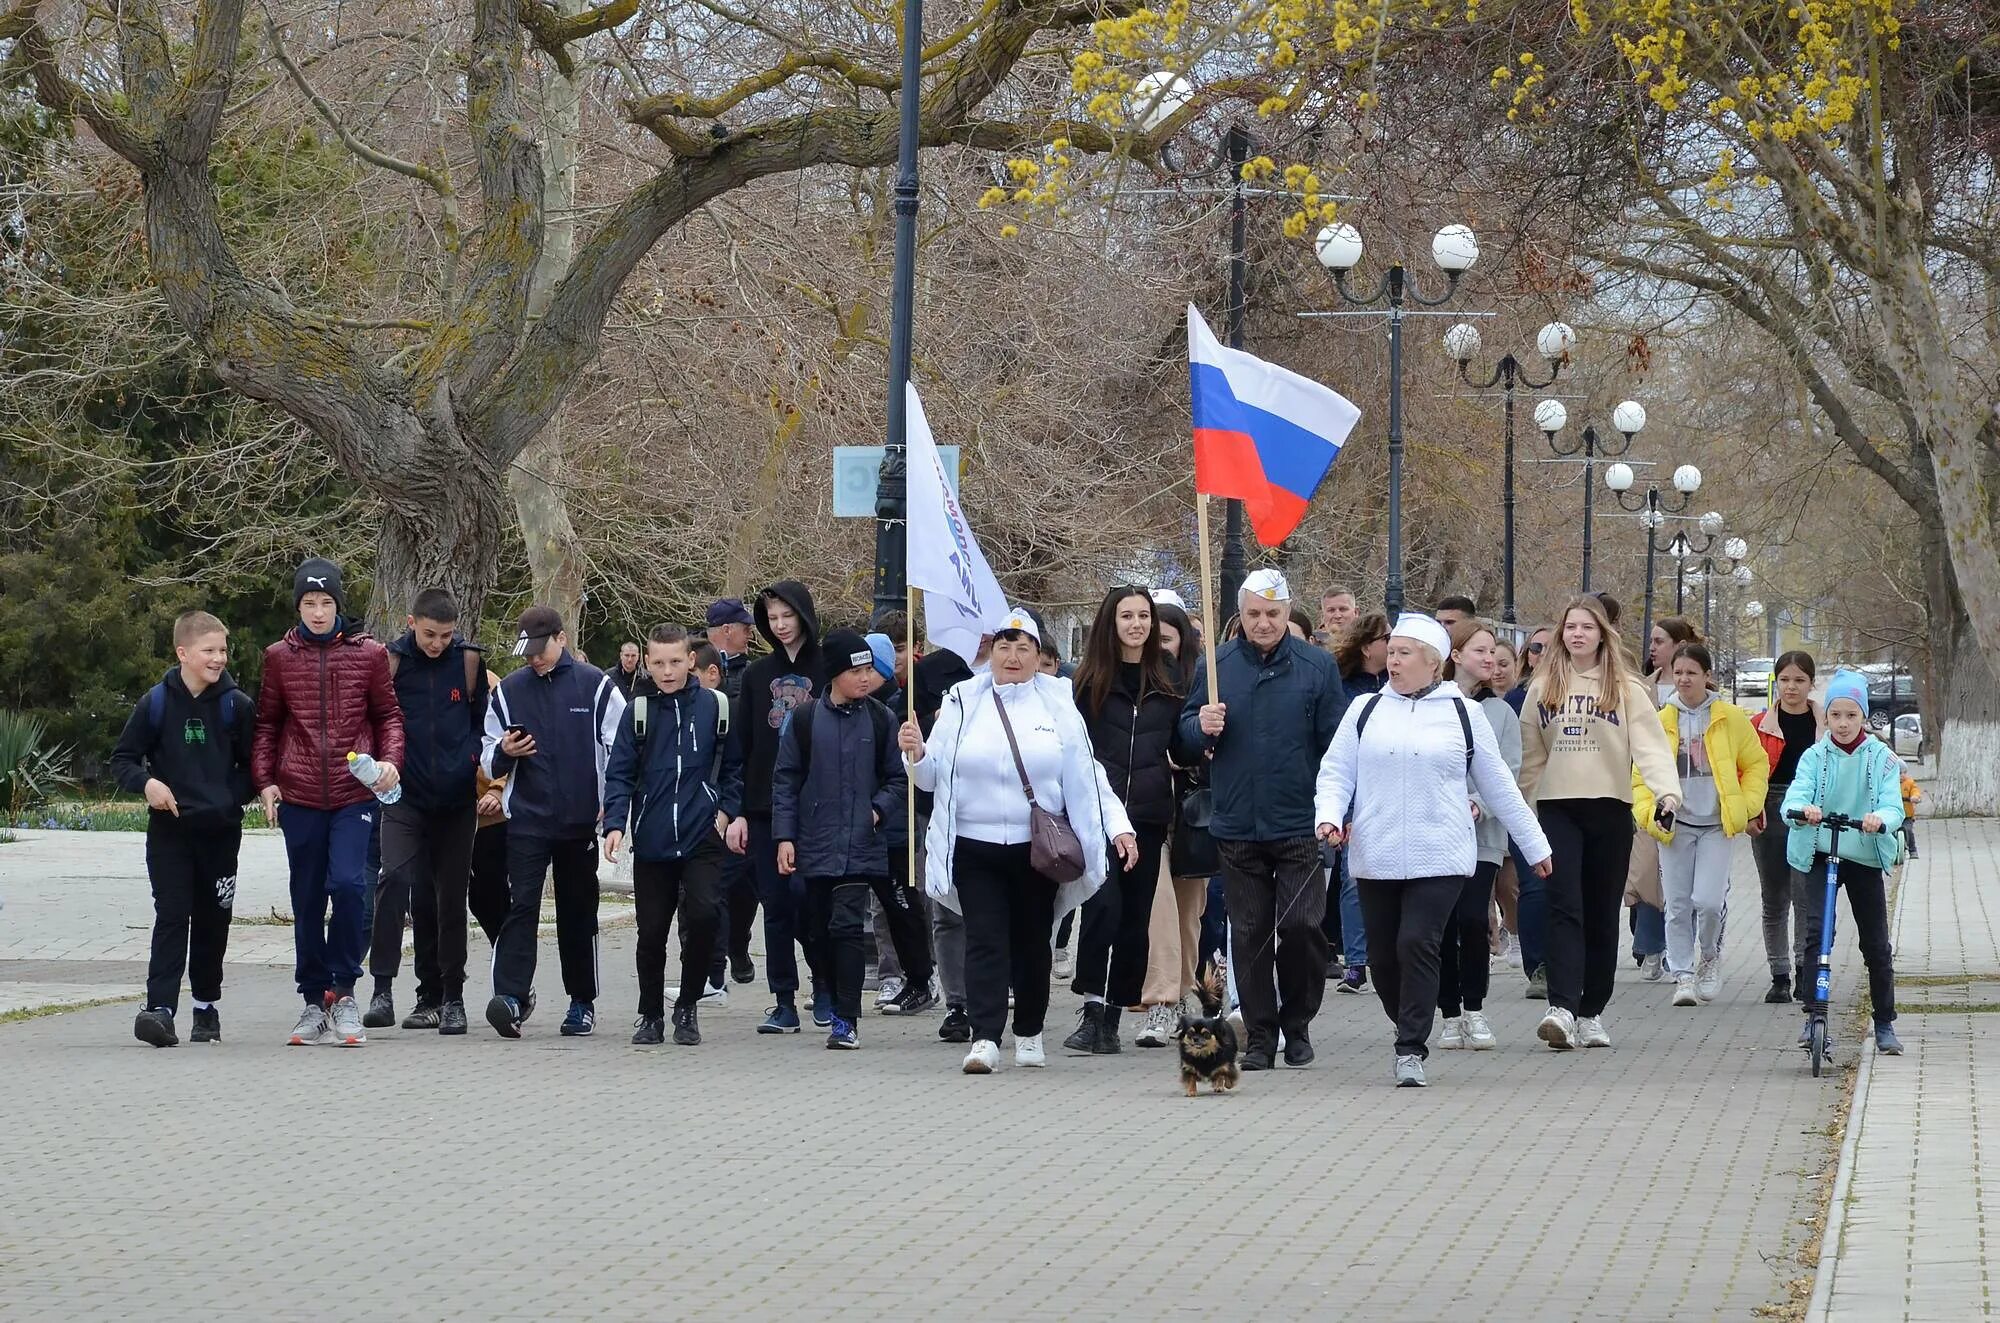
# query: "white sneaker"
[346,1018]
[1708,978]
[1510,950]
[1684,993]
[888,990]
[1410,1072]
[311,1028]
[1558,1029]
[1064,967]
[1028,1051]
[1653,968]
[1479,1034]
[1590,1032]
[715,994]
[1453,1037]
[984,1058]
[1158,1030]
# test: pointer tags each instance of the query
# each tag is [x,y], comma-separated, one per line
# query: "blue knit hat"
[884,649]
[1848,684]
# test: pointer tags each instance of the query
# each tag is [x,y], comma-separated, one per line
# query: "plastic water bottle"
[367,771]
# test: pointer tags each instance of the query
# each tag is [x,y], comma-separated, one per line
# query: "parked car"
[1891,694]
[1907,735]
[1753,678]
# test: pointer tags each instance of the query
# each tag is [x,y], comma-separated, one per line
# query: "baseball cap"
[728,611]
[538,624]
[1022,619]
[1269,585]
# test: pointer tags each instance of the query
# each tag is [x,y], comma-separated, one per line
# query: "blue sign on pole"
[856,469]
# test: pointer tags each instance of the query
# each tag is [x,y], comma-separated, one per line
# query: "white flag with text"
[962,600]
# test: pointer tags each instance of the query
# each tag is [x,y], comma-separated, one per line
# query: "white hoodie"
[1407,782]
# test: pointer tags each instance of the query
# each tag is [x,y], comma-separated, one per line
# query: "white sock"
[204,1005]
[1091,998]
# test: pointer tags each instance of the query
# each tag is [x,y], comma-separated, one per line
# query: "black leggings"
[1592,840]
[1009,910]
[1463,960]
[692,885]
[1868,902]
[1111,952]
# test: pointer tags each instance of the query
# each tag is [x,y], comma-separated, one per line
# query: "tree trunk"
[1963,727]
[449,539]
[555,560]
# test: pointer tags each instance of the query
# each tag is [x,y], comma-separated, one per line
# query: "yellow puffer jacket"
[1736,756]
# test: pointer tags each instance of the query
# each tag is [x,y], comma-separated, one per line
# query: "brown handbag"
[1053,849]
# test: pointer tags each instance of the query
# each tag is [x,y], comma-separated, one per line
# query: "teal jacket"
[1869,780]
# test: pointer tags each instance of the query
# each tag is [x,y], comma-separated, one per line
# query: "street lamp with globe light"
[1454,249]
[1554,343]
[1653,512]
[1734,551]
[1630,420]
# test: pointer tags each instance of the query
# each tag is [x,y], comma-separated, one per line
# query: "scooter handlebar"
[1837,821]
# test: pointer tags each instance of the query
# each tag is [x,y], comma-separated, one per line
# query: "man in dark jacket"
[1280,704]
[838,779]
[729,624]
[628,671]
[326,693]
[787,677]
[548,731]
[427,835]
[674,784]
[187,748]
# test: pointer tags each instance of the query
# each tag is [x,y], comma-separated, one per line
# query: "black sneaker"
[426,1016]
[1298,1048]
[914,999]
[155,1026]
[381,1011]
[651,1031]
[1084,1037]
[1258,1057]
[956,1027]
[581,1021]
[207,1025]
[451,1017]
[1780,993]
[687,1030]
[743,969]
[504,1014]
[1107,1034]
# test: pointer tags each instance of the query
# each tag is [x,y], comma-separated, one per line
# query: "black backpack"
[801,719]
[1464,723]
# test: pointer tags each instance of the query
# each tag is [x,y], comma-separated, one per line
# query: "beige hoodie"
[1577,751]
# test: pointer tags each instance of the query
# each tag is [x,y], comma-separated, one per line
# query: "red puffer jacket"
[318,703]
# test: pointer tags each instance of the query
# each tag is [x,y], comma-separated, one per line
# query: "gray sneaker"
[1410,1072]
[310,1029]
[1538,984]
[347,1030]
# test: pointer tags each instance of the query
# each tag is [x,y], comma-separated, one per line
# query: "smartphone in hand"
[1664,818]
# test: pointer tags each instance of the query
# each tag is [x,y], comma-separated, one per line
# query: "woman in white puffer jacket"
[1396,788]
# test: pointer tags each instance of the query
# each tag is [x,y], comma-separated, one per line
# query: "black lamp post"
[1653,512]
[1462,343]
[1238,149]
[1734,550]
[892,483]
[1630,420]
[1454,249]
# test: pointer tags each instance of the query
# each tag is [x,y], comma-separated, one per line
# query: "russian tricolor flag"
[1262,434]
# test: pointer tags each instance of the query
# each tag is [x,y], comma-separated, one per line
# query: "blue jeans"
[784,902]
[1214,923]
[328,850]
[1352,932]
[1649,930]
[1532,913]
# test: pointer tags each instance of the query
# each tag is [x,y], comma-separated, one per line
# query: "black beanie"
[319,575]
[844,650]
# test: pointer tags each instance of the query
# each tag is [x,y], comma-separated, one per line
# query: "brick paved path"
[426,1179]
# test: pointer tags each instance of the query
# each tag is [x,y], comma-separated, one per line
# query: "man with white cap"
[1279,704]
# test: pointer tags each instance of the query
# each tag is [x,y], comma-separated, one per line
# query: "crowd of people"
[1366,802]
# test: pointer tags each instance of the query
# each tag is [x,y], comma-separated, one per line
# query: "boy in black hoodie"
[785,678]
[186,747]
[839,779]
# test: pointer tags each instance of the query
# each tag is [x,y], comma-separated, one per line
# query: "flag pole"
[910,714]
[1207,597]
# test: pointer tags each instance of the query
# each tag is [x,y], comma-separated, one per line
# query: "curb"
[1818,1307]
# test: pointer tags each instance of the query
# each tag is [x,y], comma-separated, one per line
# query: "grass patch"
[37,1012]
[271,920]
[1948,1008]
[105,815]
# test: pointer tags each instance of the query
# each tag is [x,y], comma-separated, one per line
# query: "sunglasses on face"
[1535,649]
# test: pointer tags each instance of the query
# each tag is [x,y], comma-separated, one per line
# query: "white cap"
[1412,625]
[1269,585]
[1168,597]
[1018,618]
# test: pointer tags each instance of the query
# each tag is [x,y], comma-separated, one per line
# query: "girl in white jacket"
[1400,775]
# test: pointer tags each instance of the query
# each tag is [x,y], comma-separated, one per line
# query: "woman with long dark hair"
[1173,947]
[1128,691]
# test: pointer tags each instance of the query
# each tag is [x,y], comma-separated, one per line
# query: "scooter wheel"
[1818,1046]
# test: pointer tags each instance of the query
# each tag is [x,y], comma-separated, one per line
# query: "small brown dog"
[1208,1044]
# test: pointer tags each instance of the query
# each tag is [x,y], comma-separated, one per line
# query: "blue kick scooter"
[1835,823]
